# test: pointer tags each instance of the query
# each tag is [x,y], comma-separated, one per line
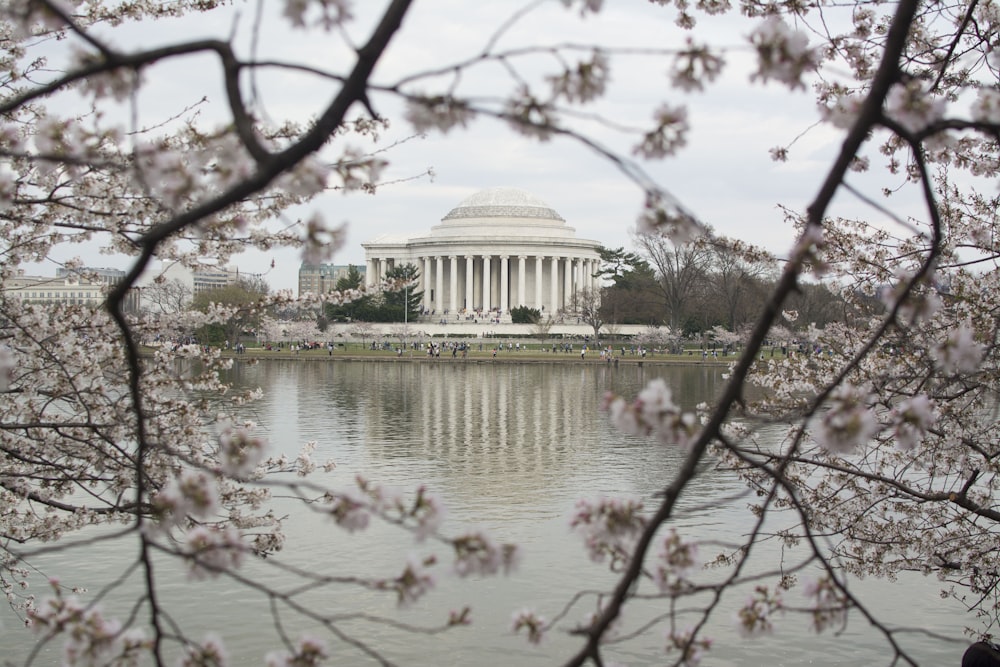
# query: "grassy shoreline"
[477,356]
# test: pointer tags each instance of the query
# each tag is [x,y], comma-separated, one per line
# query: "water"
[510,448]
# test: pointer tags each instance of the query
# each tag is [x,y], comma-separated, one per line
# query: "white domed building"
[498,249]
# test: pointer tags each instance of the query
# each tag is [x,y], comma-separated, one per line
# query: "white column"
[439,280]
[568,293]
[486,283]
[521,260]
[453,300]
[370,272]
[504,275]
[469,280]
[427,284]
[554,284]
[538,281]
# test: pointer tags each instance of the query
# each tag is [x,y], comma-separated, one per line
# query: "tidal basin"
[509,448]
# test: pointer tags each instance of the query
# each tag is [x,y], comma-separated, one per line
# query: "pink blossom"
[959,352]
[212,551]
[609,526]
[827,603]
[210,653]
[477,553]
[755,617]
[351,513]
[239,452]
[437,113]
[675,561]
[986,108]
[912,418]
[528,620]
[848,423]
[691,648]
[309,652]
[414,581]
[913,107]
[783,53]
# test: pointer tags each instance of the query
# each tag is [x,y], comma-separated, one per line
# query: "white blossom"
[476,553]
[986,108]
[441,113]
[654,413]
[911,419]
[211,652]
[531,622]
[212,551]
[192,493]
[691,648]
[783,53]
[669,135]
[609,527]
[827,603]
[593,6]
[912,106]
[694,66]
[239,451]
[309,652]
[959,352]
[350,512]
[756,617]
[414,582]
[848,423]
[675,562]
[332,12]
[586,82]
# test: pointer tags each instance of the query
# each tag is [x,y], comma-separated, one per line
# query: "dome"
[502,203]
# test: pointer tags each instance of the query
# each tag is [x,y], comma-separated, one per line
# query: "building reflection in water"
[484,432]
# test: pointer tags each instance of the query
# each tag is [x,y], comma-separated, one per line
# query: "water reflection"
[510,448]
[490,432]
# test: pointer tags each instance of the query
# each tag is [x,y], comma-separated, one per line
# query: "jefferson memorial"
[498,249]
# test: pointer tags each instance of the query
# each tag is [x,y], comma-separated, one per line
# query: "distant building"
[498,249]
[66,289]
[208,279]
[93,274]
[322,278]
[198,281]
[170,286]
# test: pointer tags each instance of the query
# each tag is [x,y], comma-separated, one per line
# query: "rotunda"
[498,249]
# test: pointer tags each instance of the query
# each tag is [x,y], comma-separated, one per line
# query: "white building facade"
[498,249]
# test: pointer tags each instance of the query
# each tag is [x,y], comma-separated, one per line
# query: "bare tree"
[586,305]
[681,272]
[739,277]
[167,296]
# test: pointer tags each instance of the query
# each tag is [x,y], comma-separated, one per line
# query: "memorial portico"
[498,249]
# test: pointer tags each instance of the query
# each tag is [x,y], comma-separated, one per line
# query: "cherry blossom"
[755,617]
[783,53]
[899,392]
[848,423]
[476,553]
[309,652]
[609,527]
[532,623]
[959,352]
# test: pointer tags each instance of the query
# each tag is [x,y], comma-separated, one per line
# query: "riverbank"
[477,356]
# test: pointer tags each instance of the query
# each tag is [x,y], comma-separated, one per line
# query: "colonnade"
[484,283]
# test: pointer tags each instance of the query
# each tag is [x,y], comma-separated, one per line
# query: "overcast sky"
[724,175]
